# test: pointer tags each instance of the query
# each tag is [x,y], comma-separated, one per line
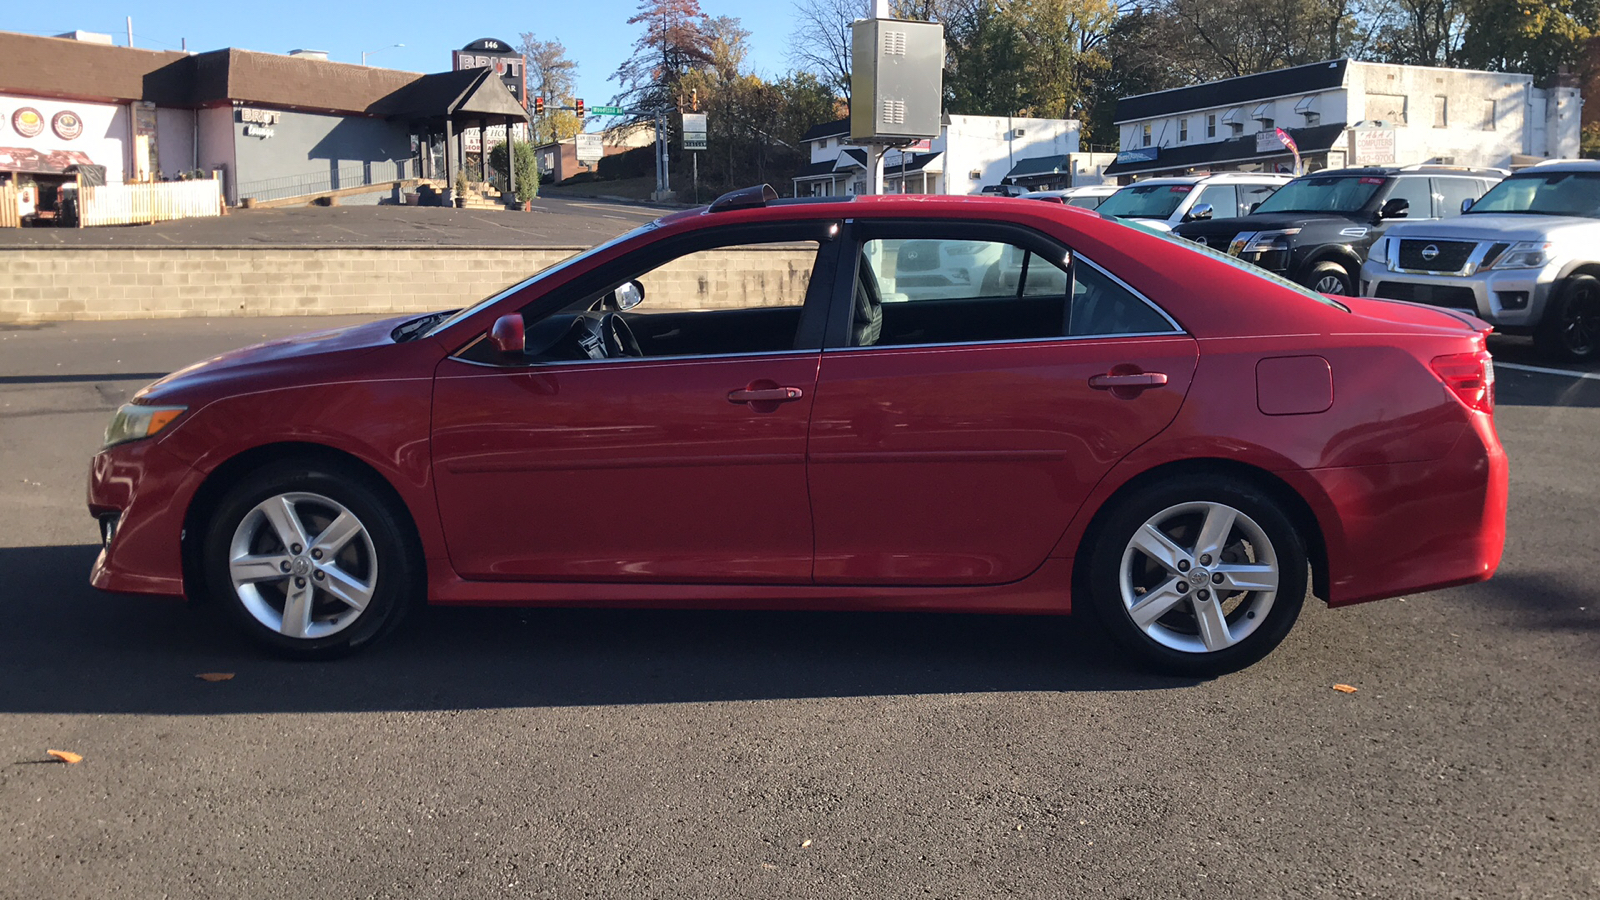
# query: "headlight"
[1379,252]
[135,422]
[1523,255]
[1270,240]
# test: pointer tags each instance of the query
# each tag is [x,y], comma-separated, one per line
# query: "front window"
[1342,193]
[1146,134]
[1146,201]
[1545,193]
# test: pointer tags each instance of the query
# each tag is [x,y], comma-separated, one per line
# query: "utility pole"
[130,31]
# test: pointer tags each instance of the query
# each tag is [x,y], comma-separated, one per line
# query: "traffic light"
[694,99]
[538,106]
[577,107]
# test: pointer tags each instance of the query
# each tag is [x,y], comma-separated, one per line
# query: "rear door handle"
[1140,380]
[766,395]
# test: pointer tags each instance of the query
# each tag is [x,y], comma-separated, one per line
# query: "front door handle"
[765,395]
[1138,380]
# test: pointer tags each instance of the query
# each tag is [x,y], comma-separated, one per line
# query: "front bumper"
[1509,298]
[146,492]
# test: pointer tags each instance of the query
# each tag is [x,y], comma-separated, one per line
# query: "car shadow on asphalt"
[68,648]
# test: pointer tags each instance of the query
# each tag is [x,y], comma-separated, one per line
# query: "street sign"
[605,110]
[694,131]
[587,147]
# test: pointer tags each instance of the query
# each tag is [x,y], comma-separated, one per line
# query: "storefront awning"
[1035,166]
[915,162]
[41,162]
[1317,139]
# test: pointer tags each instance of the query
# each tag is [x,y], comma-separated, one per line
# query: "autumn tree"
[1534,37]
[676,41]
[551,75]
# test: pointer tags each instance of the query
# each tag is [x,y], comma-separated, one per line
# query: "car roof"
[1562,165]
[1216,176]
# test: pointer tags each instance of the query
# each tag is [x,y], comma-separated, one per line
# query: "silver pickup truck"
[1525,258]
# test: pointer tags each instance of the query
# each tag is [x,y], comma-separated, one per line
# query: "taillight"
[1470,376]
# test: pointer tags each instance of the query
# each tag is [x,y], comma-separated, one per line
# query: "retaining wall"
[54,284]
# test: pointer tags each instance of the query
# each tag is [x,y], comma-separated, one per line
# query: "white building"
[1346,112]
[969,153]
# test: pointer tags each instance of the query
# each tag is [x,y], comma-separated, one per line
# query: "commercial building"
[969,153]
[270,126]
[1347,112]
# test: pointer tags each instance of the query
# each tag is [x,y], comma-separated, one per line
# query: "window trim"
[858,231]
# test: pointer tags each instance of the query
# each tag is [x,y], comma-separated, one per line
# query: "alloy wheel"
[1329,284]
[303,565]
[1199,577]
[1580,322]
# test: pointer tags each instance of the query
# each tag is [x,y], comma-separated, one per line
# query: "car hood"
[1500,227]
[273,362]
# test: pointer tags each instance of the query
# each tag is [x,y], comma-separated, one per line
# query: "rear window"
[1240,265]
[1318,194]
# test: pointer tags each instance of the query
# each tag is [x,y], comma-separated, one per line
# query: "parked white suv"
[1524,257]
[1164,203]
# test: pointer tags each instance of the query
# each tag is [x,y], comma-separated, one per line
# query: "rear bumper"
[148,491]
[1412,527]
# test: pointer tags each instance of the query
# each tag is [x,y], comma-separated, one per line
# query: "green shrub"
[527,170]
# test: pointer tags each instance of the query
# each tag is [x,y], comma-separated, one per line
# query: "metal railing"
[349,175]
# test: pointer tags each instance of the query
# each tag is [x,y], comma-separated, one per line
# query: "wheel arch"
[235,468]
[1294,505]
[1342,254]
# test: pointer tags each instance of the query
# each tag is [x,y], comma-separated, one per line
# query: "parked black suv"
[1316,229]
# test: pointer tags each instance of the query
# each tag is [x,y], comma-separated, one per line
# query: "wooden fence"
[10,215]
[139,204]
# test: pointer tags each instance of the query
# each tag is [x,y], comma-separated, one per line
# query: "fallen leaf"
[805,843]
[215,676]
[66,756]
[768,866]
[1344,688]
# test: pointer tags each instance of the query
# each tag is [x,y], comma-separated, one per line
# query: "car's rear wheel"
[1331,278]
[1570,329]
[310,559]
[1198,576]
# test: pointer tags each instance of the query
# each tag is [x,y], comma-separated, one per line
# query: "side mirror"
[627,295]
[1395,208]
[508,336]
[1255,206]
[1201,212]
[1466,204]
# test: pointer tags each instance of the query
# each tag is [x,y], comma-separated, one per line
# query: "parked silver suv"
[1525,258]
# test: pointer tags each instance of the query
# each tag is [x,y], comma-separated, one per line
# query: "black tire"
[1326,274]
[383,556]
[1570,328]
[1175,643]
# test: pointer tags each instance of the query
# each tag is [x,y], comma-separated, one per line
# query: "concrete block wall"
[56,284]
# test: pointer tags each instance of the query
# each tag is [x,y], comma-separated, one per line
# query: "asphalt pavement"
[632,754]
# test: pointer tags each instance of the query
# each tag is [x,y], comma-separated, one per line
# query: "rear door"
[964,409]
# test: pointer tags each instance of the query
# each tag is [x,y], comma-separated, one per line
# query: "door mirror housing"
[1395,208]
[1255,206]
[1202,212]
[508,335]
[1466,204]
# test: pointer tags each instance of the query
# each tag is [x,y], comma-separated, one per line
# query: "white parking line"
[1543,371]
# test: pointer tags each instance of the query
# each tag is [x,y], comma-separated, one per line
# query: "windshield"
[1145,201]
[1239,264]
[1336,193]
[1548,194]
[537,276]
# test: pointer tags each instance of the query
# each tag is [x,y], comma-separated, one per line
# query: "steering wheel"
[619,339]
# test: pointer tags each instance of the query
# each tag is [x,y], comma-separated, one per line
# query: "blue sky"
[594,31]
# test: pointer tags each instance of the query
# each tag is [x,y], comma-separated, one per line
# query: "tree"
[1534,37]
[1062,57]
[1419,32]
[551,75]
[676,41]
[820,44]
[527,168]
[984,61]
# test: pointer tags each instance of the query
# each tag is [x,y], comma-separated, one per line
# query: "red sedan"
[961,404]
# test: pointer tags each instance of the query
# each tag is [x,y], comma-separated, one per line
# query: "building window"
[1268,124]
[1238,128]
[1389,108]
[1488,116]
[1183,130]
[1146,135]
[1211,125]
[1441,111]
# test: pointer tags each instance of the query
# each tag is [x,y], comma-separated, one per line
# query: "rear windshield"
[1239,264]
[1549,194]
[1313,194]
[1145,201]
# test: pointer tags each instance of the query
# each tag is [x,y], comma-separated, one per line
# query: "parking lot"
[689,754]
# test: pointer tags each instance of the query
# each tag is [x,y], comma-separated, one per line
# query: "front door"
[985,389]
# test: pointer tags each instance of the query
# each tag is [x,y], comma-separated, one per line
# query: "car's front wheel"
[1331,278]
[310,559]
[1570,329]
[1198,576]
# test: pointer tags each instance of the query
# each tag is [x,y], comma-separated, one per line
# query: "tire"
[1570,328]
[352,579]
[1331,278]
[1193,627]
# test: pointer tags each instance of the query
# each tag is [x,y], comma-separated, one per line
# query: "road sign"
[694,131]
[605,110]
[588,147]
